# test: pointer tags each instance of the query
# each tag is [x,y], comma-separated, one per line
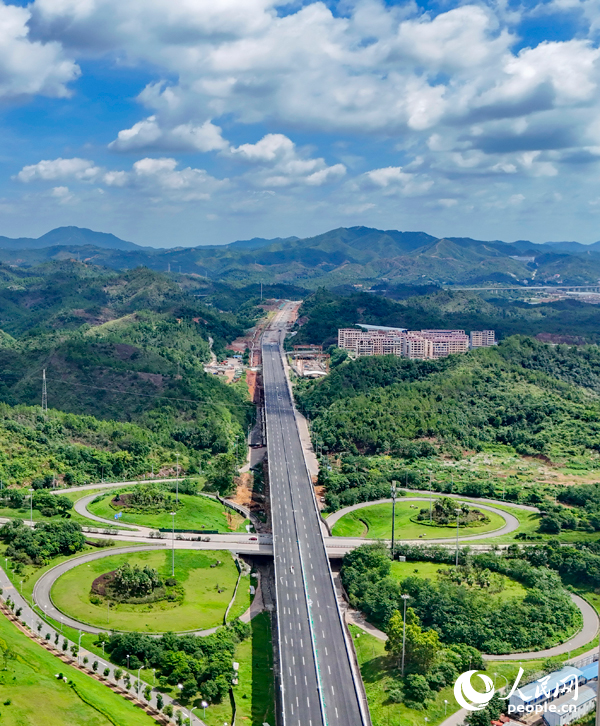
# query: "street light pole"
[457,529]
[393,514]
[173,557]
[430,496]
[405,598]
[177,483]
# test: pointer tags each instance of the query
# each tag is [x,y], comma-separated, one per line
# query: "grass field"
[429,570]
[255,691]
[378,672]
[37,697]
[195,512]
[202,607]
[376,522]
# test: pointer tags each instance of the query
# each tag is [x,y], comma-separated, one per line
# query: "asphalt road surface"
[316,676]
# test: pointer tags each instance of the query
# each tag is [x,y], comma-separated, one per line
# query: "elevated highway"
[318,682]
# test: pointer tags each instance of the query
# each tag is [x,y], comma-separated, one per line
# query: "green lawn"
[37,697]
[203,607]
[255,691]
[379,671]
[429,570]
[375,522]
[195,512]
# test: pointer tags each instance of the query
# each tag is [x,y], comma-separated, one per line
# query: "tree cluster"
[200,664]
[461,612]
[390,405]
[133,582]
[40,544]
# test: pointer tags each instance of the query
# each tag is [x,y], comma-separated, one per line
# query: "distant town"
[417,344]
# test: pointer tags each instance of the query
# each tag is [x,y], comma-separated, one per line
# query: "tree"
[416,691]
[118,674]
[190,687]
[95,666]
[421,646]
[106,672]
[395,631]
[148,693]
[159,701]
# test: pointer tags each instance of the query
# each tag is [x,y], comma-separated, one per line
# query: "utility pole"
[261,291]
[430,496]
[173,558]
[405,598]
[457,528]
[44,394]
[177,484]
[393,514]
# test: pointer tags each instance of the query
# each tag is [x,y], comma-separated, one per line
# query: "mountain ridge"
[342,256]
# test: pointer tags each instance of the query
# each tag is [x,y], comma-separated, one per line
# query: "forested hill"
[323,312]
[126,347]
[539,399]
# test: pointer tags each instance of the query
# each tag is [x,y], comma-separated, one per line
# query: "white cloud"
[393,180]
[148,135]
[47,170]
[149,176]
[30,67]
[279,164]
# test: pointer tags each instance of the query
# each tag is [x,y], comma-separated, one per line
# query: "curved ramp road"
[512,523]
[43,587]
[318,684]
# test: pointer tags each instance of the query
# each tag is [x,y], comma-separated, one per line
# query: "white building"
[567,709]
[545,689]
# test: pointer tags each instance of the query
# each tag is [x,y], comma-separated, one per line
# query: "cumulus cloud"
[148,135]
[30,67]
[52,169]
[394,180]
[152,176]
[280,163]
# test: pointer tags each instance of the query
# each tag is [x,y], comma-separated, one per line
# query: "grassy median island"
[255,691]
[194,512]
[375,522]
[203,586]
[29,684]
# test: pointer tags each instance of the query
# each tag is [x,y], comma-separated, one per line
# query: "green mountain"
[355,255]
[122,348]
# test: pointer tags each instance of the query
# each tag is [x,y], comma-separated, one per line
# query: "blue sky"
[184,122]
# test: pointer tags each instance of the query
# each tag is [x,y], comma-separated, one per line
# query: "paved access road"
[318,686]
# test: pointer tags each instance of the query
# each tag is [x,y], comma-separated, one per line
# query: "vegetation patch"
[462,605]
[195,599]
[448,512]
[375,522]
[28,684]
[194,512]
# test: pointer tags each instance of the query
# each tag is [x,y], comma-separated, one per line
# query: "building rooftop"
[586,693]
[559,678]
[381,327]
[590,671]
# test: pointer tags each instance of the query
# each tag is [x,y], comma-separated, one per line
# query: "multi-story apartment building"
[447,342]
[411,344]
[482,338]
